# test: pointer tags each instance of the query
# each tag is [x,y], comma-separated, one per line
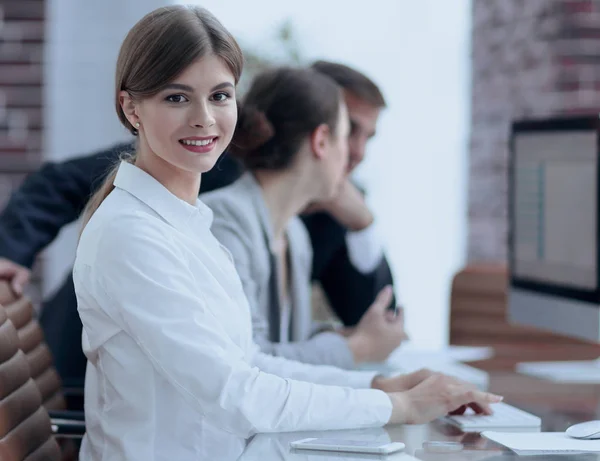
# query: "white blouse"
[167,334]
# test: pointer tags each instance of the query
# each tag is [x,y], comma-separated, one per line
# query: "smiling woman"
[186,125]
[167,329]
[201,144]
[171,98]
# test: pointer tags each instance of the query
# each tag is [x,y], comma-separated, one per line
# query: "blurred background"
[454,73]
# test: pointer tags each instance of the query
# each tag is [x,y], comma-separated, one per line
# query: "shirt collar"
[171,208]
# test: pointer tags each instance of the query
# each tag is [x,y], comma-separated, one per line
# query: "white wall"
[415,173]
[82,43]
[418,52]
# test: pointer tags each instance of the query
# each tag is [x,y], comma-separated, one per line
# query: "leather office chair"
[24,421]
[31,342]
[25,427]
[478,310]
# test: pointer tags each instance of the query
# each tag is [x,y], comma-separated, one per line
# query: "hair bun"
[253,130]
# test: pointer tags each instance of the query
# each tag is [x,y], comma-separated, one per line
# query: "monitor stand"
[577,371]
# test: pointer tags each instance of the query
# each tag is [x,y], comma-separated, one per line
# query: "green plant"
[286,52]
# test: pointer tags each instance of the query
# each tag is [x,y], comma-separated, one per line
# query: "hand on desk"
[379,331]
[423,396]
[18,276]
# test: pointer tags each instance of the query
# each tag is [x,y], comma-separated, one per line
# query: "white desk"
[276,447]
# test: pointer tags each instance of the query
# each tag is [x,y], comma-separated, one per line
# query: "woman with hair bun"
[292,137]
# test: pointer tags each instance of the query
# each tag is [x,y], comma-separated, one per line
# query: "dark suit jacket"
[56,195]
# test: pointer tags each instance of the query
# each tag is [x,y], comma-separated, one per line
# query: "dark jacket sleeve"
[225,172]
[349,292]
[49,199]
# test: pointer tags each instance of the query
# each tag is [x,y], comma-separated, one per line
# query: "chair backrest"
[25,429]
[478,307]
[31,341]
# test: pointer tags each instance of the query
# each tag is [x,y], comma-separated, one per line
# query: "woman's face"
[336,159]
[191,121]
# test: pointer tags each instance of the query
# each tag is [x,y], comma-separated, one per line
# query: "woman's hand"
[437,396]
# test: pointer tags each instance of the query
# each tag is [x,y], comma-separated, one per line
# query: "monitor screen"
[554,209]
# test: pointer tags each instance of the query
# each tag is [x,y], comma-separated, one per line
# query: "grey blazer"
[242,224]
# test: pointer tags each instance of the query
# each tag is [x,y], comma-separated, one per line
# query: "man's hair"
[352,81]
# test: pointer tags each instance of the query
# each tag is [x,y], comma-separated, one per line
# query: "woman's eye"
[220,97]
[177,98]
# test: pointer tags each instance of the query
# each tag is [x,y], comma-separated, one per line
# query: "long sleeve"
[365,249]
[224,173]
[327,348]
[320,374]
[146,287]
[49,199]
[349,291]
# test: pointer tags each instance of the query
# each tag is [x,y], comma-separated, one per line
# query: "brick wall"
[21,58]
[531,59]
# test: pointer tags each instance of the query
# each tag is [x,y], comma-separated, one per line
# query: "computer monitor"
[554,222]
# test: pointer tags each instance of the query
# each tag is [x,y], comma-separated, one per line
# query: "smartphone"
[348,446]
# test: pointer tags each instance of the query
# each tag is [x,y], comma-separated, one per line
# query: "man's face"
[363,124]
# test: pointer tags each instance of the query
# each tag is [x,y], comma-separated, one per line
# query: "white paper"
[578,371]
[445,354]
[333,456]
[542,442]
[407,359]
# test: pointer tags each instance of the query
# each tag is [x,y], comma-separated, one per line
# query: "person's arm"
[49,199]
[319,374]
[349,291]
[143,283]
[374,338]
[348,257]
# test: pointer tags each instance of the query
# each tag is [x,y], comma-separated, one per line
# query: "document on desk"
[447,354]
[577,371]
[542,443]
[331,456]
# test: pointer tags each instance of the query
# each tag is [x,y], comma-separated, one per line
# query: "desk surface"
[559,406]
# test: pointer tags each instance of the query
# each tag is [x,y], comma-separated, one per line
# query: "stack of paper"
[542,443]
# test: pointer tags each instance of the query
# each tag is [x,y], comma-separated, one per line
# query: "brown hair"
[352,81]
[281,108]
[155,51]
